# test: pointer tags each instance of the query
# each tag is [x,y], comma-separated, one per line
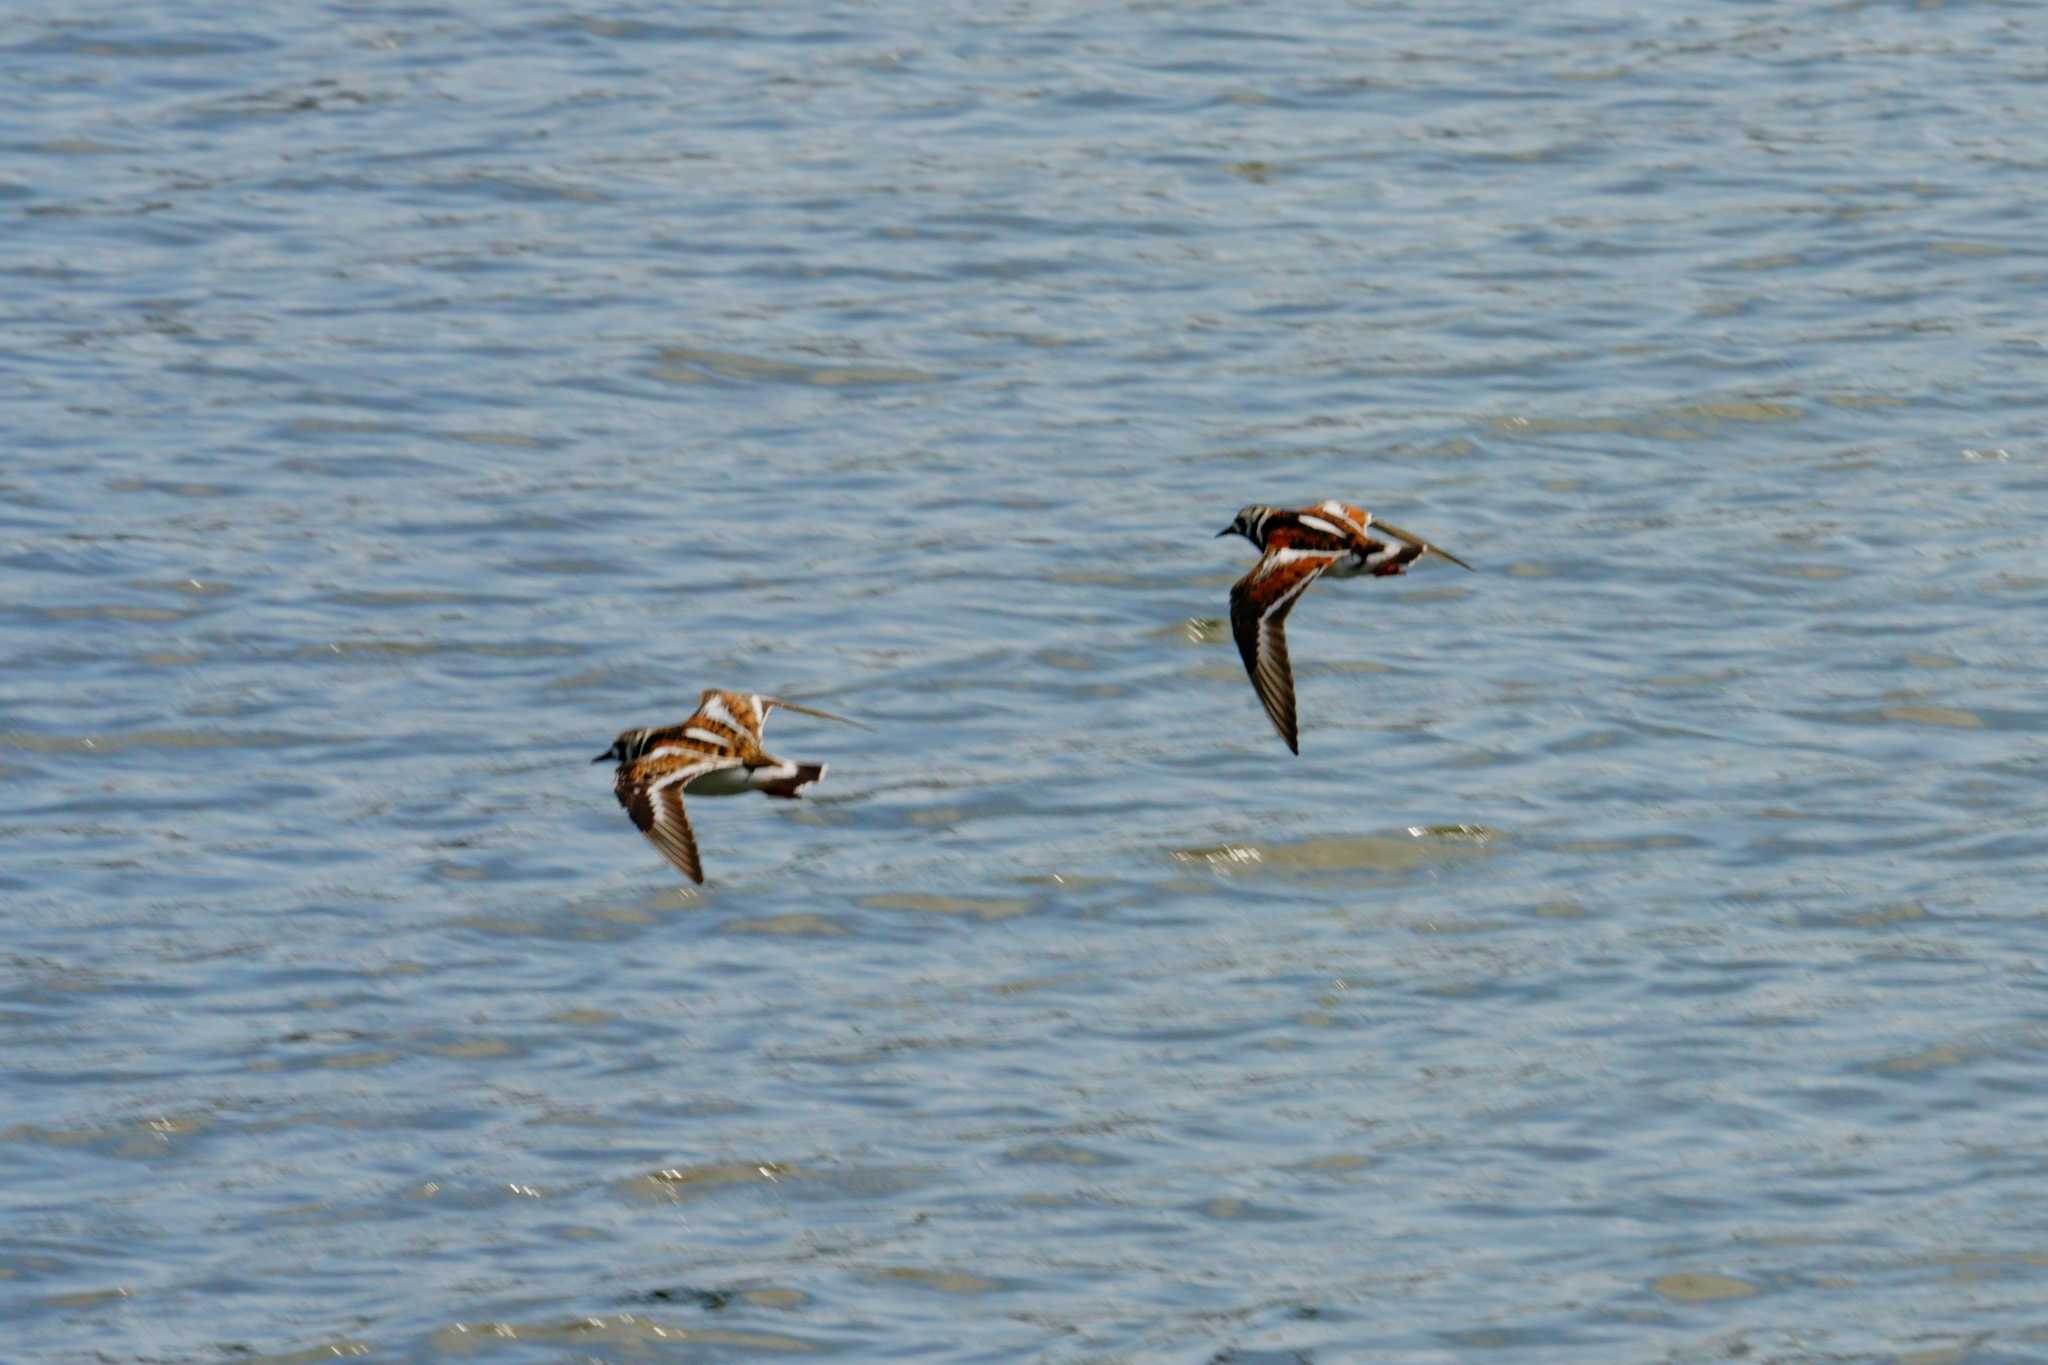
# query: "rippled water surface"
[1642,960]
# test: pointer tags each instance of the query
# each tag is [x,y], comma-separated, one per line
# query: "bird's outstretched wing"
[770,703]
[653,796]
[1423,546]
[1259,603]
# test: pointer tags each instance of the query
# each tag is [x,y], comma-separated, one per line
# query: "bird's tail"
[803,775]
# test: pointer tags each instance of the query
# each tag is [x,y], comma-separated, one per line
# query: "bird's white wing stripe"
[716,710]
[1336,509]
[1281,603]
[708,736]
[671,751]
[1288,556]
[1318,524]
[690,772]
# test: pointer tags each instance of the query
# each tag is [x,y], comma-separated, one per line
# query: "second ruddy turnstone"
[716,752]
[1298,548]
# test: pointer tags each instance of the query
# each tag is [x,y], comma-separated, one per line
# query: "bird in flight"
[1297,548]
[716,752]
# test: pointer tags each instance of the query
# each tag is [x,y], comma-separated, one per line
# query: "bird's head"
[1250,520]
[625,748]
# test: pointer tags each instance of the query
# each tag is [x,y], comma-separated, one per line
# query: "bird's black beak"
[607,755]
[1224,532]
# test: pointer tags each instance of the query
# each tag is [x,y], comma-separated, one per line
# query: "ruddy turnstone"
[716,752]
[1298,548]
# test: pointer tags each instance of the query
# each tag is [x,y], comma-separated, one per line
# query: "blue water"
[1642,960]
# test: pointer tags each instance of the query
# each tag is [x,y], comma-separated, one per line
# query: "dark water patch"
[626,30]
[97,612]
[316,96]
[116,743]
[1057,1153]
[88,39]
[364,467]
[380,599]
[372,651]
[693,365]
